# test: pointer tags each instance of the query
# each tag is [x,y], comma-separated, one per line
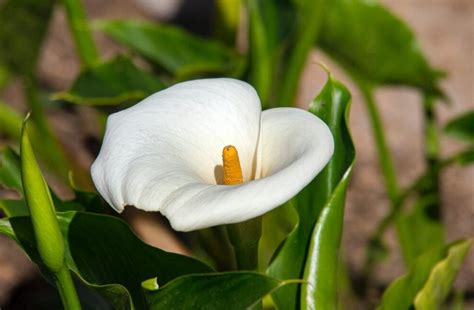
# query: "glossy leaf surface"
[111,83]
[173,49]
[107,256]
[230,290]
[402,292]
[373,44]
[332,107]
[462,127]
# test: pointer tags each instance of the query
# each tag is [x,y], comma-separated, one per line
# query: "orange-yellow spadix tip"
[232,169]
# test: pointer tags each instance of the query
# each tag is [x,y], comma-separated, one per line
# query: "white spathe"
[165,154]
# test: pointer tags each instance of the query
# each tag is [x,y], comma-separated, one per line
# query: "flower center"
[232,170]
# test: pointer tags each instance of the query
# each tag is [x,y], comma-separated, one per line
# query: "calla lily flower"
[165,154]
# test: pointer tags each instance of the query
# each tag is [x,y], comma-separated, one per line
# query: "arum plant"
[204,154]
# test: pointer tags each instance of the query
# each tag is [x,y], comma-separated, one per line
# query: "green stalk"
[66,288]
[309,22]
[244,238]
[376,248]
[384,155]
[81,33]
[261,66]
[431,155]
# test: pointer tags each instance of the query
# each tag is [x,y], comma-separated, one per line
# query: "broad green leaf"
[171,48]
[418,231]
[10,176]
[321,269]
[230,290]
[441,278]
[111,83]
[107,256]
[402,292]
[24,24]
[332,106]
[374,45]
[462,127]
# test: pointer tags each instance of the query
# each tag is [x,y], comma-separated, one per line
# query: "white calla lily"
[165,154]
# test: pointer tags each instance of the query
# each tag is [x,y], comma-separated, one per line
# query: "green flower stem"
[309,21]
[261,66]
[66,288]
[384,155]
[432,154]
[80,30]
[244,238]
[375,246]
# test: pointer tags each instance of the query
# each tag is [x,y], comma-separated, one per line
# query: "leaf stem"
[431,154]
[309,23]
[80,30]
[384,155]
[66,288]
[375,246]
[244,238]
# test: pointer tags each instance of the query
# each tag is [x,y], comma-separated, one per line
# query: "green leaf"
[10,175]
[107,256]
[441,279]
[462,126]
[418,231]
[373,44]
[325,196]
[171,48]
[402,292]
[111,83]
[230,290]
[321,269]
[24,25]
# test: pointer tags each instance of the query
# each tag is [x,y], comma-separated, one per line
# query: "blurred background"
[445,30]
